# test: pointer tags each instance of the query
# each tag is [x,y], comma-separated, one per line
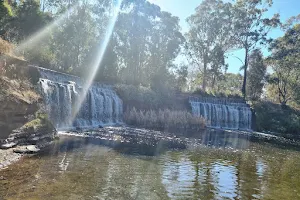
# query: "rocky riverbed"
[148,142]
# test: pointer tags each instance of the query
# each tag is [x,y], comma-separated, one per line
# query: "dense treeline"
[141,50]
[146,41]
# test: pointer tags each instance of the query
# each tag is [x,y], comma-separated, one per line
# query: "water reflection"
[76,168]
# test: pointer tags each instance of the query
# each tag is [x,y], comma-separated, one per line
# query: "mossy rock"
[41,123]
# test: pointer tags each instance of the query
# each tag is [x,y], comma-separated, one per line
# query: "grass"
[17,90]
[5,47]
[163,119]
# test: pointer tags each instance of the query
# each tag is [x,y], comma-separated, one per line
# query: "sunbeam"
[35,39]
[97,60]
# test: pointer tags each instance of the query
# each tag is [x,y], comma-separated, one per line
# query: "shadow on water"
[134,147]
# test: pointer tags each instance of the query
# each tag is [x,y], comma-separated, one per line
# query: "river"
[82,168]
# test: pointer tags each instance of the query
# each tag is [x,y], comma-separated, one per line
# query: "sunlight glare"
[97,60]
[35,39]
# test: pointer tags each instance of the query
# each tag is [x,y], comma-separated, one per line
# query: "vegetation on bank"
[163,119]
[272,117]
[144,98]
[41,123]
[17,90]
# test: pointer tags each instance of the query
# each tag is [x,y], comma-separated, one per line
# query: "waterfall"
[61,92]
[222,112]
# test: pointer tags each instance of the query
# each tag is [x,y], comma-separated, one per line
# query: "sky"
[184,8]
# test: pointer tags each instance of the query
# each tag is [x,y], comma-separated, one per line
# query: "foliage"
[5,15]
[144,98]
[275,118]
[40,123]
[256,75]
[163,119]
[142,48]
[131,93]
[149,41]
[209,38]
[228,85]
[181,77]
[251,27]
[285,64]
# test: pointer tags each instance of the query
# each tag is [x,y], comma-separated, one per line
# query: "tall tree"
[148,41]
[209,37]
[285,62]
[256,73]
[251,27]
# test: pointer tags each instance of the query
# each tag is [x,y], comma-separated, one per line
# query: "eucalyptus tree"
[148,41]
[257,72]
[209,36]
[285,63]
[251,27]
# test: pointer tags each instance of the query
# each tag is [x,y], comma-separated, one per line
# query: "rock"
[100,126]
[30,149]
[8,145]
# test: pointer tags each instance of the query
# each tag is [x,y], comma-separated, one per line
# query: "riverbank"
[8,157]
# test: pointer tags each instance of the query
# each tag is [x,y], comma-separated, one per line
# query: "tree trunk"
[204,73]
[245,72]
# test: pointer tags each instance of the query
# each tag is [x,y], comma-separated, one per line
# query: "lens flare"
[97,61]
[36,39]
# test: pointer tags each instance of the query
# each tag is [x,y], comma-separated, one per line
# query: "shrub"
[40,123]
[276,118]
[144,98]
[163,119]
[216,94]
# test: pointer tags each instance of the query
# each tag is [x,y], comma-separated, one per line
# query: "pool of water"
[81,168]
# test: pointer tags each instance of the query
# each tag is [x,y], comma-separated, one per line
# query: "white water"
[61,93]
[223,113]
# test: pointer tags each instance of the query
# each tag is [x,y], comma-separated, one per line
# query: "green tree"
[148,41]
[73,40]
[230,84]
[28,19]
[209,37]
[251,27]
[6,14]
[256,75]
[285,62]
[181,73]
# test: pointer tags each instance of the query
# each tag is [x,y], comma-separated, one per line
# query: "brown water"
[75,168]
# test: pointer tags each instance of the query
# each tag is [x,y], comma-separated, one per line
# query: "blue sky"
[184,8]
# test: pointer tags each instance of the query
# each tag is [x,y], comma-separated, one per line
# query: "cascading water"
[61,92]
[223,113]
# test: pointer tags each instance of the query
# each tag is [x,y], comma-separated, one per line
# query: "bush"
[218,94]
[276,118]
[144,98]
[163,119]
[40,123]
